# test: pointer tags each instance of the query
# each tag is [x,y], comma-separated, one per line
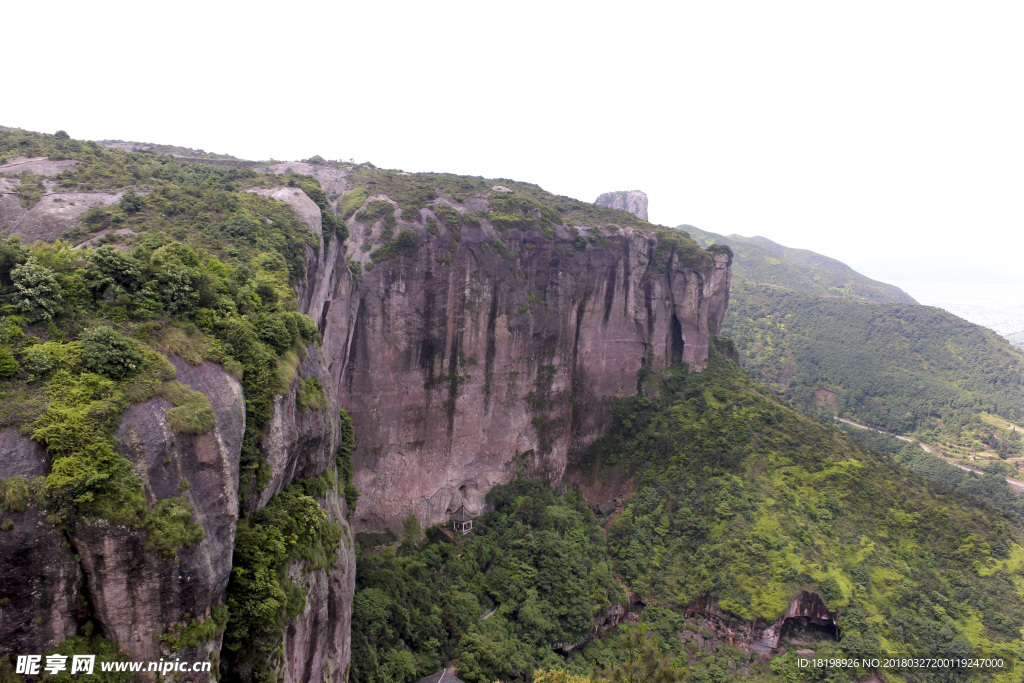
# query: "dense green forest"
[906,369]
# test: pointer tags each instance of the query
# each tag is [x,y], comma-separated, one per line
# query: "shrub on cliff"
[310,394]
[346,468]
[131,202]
[291,528]
[112,271]
[8,363]
[192,412]
[43,359]
[378,210]
[351,202]
[36,292]
[15,493]
[171,527]
[107,352]
[405,244]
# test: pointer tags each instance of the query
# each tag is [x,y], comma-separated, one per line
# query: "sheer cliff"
[475,330]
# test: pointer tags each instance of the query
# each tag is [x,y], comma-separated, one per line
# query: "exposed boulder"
[633,201]
[20,456]
[48,219]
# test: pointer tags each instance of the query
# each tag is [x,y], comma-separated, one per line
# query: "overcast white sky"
[886,134]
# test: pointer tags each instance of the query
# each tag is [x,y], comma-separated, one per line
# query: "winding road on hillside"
[872,429]
[1017,486]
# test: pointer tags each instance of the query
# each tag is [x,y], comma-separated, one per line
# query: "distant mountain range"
[834,341]
[758,259]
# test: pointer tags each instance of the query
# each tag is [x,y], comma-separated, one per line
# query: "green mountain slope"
[758,259]
[746,501]
[906,369]
[831,340]
[740,503]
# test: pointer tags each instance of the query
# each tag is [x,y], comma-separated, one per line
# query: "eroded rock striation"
[487,352]
[54,580]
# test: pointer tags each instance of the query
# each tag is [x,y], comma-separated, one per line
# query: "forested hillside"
[740,503]
[904,368]
[833,341]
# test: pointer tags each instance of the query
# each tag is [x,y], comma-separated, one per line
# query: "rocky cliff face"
[95,570]
[476,353]
[633,201]
[134,592]
[317,643]
[486,352]
[40,582]
[55,212]
[53,580]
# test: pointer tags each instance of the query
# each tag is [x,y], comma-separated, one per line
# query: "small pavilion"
[441,677]
[462,520]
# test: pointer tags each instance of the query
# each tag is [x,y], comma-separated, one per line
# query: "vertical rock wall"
[488,353]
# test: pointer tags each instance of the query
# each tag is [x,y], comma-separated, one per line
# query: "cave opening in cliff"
[676,352]
[807,630]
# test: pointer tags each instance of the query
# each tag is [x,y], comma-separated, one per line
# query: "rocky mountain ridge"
[473,338]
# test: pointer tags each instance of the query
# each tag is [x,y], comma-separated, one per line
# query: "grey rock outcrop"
[300,444]
[761,638]
[55,213]
[37,165]
[40,581]
[633,201]
[20,456]
[49,218]
[136,593]
[317,643]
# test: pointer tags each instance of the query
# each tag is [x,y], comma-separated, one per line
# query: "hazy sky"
[886,134]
